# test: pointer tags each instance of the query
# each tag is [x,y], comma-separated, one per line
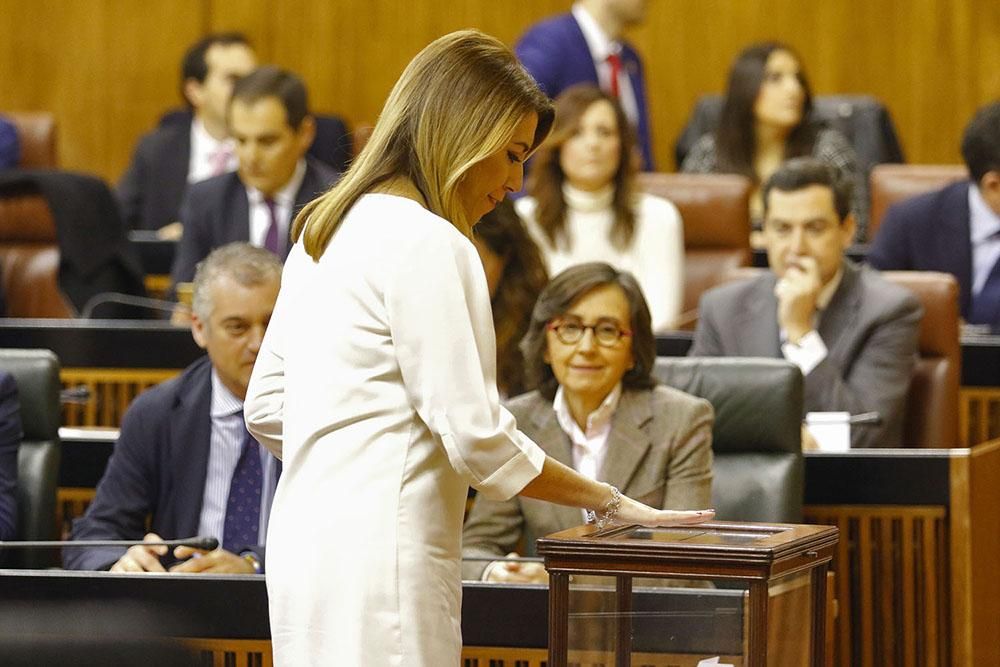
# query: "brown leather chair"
[716,213]
[932,404]
[890,183]
[36,131]
[931,418]
[29,258]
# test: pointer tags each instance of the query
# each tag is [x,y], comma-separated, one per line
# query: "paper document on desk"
[713,662]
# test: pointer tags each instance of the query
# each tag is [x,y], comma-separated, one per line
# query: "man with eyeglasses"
[853,334]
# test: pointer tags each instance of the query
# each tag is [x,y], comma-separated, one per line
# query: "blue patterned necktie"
[242,525]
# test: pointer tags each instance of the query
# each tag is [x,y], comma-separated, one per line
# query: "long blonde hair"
[456,103]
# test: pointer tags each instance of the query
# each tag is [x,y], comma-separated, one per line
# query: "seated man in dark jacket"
[956,229]
[184,458]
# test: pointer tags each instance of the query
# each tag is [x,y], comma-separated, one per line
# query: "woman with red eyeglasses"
[589,350]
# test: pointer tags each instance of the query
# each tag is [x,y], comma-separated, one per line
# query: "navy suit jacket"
[216,211]
[556,54]
[158,469]
[152,188]
[929,233]
[10,440]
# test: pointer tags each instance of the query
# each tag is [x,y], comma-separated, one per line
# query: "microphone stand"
[205,543]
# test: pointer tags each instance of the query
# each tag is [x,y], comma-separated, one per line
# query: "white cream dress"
[376,386]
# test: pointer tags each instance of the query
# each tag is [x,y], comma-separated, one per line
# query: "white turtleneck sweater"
[655,256]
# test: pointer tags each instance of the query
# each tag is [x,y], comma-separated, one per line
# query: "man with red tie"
[186,147]
[270,123]
[586,45]
[184,458]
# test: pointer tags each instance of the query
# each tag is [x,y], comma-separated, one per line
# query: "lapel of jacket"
[581,63]
[238,224]
[628,442]
[840,313]
[957,237]
[555,442]
[190,440]
[757,333]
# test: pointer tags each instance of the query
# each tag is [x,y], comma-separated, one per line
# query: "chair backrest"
[891,183]
[29,257]
[932,404]
[37,375]
[931,413]
[862,119]
[36,132]
[757,439]
[716,213]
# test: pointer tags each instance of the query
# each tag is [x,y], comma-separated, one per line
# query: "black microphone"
[200,542]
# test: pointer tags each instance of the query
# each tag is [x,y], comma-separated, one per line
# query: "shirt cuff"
[807,354]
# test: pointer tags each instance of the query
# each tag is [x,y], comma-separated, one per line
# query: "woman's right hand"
[632,511]
[516,572]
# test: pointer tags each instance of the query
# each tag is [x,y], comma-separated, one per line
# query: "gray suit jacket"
[659,452]
[870,330]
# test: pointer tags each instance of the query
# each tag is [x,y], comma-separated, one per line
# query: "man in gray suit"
[853,334]
[269,121]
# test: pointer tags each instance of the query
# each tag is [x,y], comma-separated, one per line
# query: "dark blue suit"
[929,233]
[153,186]
[216,211]
[555,52]
[10,440]
[158,469]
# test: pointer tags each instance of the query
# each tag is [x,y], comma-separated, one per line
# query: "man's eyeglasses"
[569,332]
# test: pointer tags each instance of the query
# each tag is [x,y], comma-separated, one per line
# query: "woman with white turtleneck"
[583,207]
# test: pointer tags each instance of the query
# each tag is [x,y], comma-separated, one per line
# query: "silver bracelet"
[607,515]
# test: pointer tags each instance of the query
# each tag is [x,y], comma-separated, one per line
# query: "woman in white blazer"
[376,383]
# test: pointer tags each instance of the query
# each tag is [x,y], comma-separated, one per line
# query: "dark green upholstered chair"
[37,376]
[758,471]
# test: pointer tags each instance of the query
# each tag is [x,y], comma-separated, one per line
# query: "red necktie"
[615,61]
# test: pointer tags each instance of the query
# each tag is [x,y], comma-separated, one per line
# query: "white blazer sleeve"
[442,330]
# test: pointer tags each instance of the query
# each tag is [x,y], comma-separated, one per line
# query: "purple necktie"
[271,241]
[242,525]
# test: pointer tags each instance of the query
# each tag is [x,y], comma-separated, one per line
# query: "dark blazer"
[152,188]
[929,232]
[158,469]
[216,211]
[10,440]
[659,452]
[555,53]
[870,330]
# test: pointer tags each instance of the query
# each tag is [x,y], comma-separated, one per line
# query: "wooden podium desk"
[918,555]
[224,618]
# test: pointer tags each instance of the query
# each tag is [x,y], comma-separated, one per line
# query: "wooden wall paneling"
[106,68]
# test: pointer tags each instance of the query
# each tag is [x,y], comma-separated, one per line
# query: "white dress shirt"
[204,148]
[225,448]
[984,233]
[284,204]
[601,46]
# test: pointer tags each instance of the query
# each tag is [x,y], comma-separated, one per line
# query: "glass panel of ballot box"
[716,594]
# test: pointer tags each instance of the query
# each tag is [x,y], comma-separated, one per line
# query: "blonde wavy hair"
[456,103]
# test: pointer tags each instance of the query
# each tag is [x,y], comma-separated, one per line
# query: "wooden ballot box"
[599,611]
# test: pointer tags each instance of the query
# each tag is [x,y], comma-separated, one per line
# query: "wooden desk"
[500,624]
[919,549]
